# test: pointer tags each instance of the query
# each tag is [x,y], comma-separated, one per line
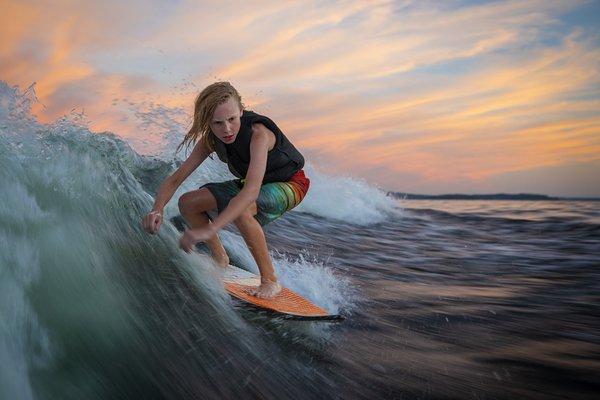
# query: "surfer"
[268,168]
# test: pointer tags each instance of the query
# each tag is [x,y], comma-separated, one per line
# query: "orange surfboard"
[239,283]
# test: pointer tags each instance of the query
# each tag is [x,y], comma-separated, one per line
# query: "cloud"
[446,92]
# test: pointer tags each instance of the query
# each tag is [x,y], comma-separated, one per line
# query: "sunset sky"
[412,96]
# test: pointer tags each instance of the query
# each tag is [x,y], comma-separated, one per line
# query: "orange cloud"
[518,116]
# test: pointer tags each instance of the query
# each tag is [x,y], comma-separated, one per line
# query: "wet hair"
[207,101]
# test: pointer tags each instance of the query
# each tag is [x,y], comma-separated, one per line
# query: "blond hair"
[204,108]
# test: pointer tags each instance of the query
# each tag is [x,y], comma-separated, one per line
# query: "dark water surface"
[468,299]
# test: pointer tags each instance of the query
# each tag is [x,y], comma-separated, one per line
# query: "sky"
[423,97]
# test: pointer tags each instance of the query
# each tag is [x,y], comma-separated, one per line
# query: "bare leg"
[254,237]
[192,206]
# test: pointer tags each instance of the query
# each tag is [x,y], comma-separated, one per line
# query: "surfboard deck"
[287,303]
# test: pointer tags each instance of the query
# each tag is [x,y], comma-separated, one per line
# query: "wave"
[71,246]
[82,285]
[346,199]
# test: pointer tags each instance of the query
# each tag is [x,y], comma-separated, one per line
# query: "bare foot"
[267,290]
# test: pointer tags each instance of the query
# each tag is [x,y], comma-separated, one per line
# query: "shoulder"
[262,134]
[201,148]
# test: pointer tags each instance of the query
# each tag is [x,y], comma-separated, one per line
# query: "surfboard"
[287,303]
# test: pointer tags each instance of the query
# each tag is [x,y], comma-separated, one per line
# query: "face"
[225,123]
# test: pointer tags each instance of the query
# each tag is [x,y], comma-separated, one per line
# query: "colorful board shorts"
[274,199]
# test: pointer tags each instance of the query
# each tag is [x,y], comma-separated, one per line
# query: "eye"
[231,119]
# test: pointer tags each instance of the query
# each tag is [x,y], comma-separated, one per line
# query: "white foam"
[346,199]
[314,280]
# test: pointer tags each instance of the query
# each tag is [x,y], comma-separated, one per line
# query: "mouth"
[228,138]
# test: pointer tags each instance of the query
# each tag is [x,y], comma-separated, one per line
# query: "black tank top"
[283,161]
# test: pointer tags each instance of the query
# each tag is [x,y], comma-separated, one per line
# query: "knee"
[245,218]
[196,201]
[185,203]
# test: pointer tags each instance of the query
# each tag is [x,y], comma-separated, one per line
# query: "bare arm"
[151,222]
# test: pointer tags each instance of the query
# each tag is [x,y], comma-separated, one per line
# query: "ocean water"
[443,299]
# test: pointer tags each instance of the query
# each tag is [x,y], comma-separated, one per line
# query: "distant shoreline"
[497,196]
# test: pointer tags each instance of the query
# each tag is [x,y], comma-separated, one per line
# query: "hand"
[151,222]
[192,236]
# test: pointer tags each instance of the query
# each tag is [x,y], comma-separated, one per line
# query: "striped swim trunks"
[274,199]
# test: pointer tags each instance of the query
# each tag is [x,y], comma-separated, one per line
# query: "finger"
[149,221]
[148,226]
[154,226]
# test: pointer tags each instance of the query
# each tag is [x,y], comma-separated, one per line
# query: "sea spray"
[313,279]
[345,199]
